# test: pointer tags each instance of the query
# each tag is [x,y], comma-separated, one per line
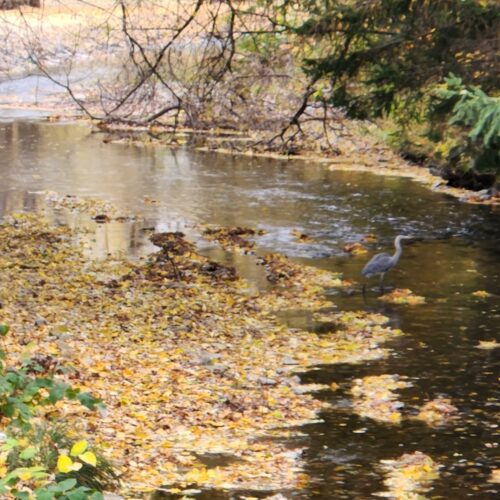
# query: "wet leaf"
[233,238]
[487,344]
[301,237]
[495,476]
[355,249]
[370,238]
[439,411]
[375,397]
[409,476]
[403,296]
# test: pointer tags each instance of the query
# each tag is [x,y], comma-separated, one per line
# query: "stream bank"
[184,190]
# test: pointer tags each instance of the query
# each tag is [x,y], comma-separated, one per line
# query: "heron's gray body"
[383,262]
[380,263]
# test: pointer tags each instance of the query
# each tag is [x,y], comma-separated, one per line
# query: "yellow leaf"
[25,475]
[78,448]
[395,416]
[88,458]
[65,464]
[487,344]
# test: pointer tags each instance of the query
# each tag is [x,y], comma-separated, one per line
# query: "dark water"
[458,252]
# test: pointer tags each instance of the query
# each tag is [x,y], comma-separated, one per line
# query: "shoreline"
[348,145]
[392,165]
[200,330]
[382,161]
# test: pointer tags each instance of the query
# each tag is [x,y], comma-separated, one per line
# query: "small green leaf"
[43,494]
[4,330]
[28,453]
[89,401]
[57,393]
[23,495]
[8,410]
[65,485]
[10,443]
[81,493]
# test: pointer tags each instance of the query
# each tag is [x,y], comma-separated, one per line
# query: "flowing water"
[457,253]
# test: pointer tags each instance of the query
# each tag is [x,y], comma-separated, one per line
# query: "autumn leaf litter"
[186,361]
[409,477]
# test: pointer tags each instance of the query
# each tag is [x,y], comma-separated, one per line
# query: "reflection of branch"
[325,107]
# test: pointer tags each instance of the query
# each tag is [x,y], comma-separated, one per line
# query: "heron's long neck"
[399,250]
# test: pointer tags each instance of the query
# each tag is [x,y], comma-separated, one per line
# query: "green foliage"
[41,445]
[378,53]
[30,452]
[21,394]
[384,59]
[475,118]
[473,109]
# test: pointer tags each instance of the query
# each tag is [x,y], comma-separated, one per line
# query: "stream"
[457,252]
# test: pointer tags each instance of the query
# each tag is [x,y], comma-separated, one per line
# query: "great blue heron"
[383,262]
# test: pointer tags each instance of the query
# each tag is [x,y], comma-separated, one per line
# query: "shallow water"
[457,253]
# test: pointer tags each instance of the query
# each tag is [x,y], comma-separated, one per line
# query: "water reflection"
[459,253]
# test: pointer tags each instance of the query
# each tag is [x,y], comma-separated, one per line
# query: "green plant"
[474,117]
[47,444]
[380,57]
[21,394]
[384,60]
[34,459]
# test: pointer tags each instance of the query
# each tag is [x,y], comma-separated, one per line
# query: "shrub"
[471,132]
[37,459]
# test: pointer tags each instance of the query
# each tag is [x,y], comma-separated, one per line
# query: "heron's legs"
[364,289]
[382,282]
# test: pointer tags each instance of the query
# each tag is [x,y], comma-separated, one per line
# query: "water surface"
[458,252]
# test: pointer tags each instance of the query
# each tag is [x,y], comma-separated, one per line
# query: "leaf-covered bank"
[187,361]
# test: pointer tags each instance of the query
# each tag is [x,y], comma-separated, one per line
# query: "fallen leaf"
[402,296]
[487,344]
